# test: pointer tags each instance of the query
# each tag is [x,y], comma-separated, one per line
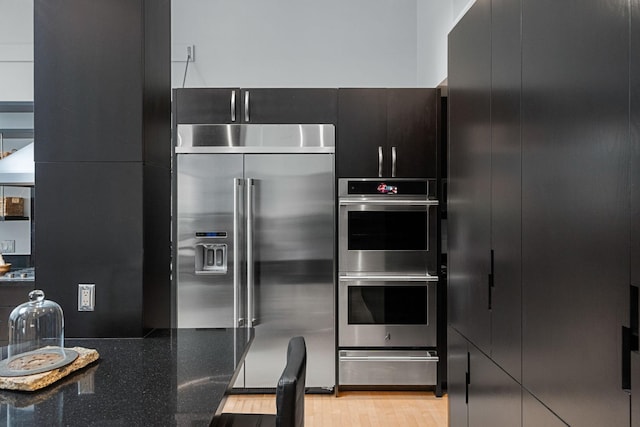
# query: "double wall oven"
[388,267]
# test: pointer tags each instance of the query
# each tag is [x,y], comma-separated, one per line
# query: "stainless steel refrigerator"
[254,230]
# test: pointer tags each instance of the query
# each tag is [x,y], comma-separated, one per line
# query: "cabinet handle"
[491,281]
[233,105]
[630,338]
[380,161]
[246,106]
[393,162]
[467,377]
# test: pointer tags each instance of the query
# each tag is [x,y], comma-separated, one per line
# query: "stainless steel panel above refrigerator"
[255,244]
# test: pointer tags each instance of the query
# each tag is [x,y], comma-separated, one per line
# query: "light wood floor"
[355,408]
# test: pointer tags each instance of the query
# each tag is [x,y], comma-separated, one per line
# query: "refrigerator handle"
[246,106]
[233,105]
[237,196]
[380,161]
[250,266]
[393,162]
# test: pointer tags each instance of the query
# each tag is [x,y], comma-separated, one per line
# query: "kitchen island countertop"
[170,377]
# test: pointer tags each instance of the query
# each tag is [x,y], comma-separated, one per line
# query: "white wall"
[275,43]
[434,18]
[296,43]
[16,50]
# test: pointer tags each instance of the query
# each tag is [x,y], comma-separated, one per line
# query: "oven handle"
[389,358]
[388,277]
[388,202]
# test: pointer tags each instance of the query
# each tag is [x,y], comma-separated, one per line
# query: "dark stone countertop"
[171,377]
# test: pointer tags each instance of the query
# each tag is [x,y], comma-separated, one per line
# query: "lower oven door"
[389,312]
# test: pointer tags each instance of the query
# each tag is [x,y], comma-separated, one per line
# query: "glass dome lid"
[36,338]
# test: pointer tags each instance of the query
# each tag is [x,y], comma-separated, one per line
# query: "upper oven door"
[387,236]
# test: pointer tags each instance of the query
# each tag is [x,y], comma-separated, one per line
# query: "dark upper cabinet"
[388,133]
[469,183]
[506,192]
[289,106]
[362,128]
[265,106]
[206,105]
[575,207]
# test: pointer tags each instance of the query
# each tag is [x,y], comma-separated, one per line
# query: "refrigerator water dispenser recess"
[211,258]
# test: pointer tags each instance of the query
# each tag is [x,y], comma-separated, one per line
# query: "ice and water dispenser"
[211,258]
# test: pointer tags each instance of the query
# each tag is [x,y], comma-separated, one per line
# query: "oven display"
[388,305]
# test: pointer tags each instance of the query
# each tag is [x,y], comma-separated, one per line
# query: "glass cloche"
[36,338]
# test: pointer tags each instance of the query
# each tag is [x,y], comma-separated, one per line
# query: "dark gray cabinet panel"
[404,121]
[457,349]
[635,203]
[289,106]
[121,66]
[206,105]
[413,128]
[469,184]
[506,186]
[362,128]
[575,201]
[90,230]
[535,414]
[495,398]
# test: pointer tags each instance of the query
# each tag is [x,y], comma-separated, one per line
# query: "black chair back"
[290,389]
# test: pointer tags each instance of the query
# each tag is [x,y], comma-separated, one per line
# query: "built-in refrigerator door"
[290,265]
[210,205]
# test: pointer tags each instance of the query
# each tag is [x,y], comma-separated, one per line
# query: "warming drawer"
[388,367]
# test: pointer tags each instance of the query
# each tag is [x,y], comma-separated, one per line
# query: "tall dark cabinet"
[542,175]
[102,125]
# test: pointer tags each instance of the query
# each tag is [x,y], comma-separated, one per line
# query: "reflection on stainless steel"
[366,323]
[388,367]
[225,138]
[274,212]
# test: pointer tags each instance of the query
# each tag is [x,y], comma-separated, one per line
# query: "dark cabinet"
[543,200]
[535,414]
[11,296]
[206,105]
[506,192]
[289,106]
[469,183]
[265,106]
[458,369]
[480,393]
[388,133]
[575,207]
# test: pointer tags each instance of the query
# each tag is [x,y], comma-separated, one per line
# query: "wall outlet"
[7,246]
[191,52]
[86,296]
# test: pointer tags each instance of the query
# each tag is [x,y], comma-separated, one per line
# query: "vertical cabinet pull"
[233,105]
[379,161]
[630,338]
[490,280]
[467,377]
[246,106]
[393,162]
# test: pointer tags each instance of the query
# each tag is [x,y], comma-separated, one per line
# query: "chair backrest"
[290,389]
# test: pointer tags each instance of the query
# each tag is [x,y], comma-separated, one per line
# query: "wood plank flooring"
[356,408]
